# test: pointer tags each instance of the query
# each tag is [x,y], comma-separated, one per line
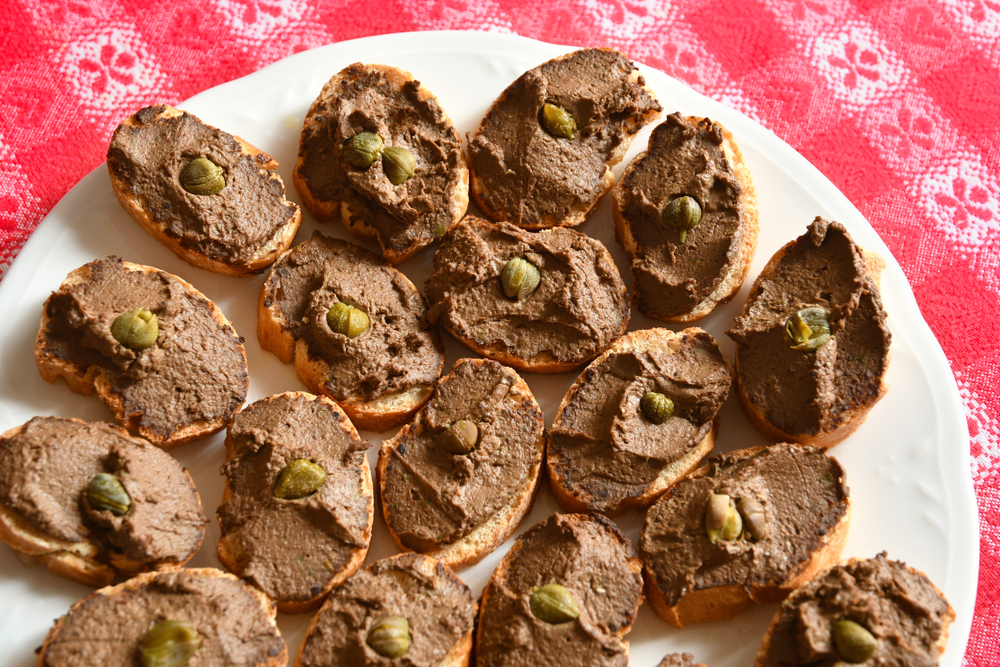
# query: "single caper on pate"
[137,329]
[202,177]
[299,479]
[554,604]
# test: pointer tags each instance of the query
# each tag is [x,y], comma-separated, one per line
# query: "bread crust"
[228,552]
[458,655]
[84,380]
[940,645]
[634,566]
[138,209]
[579,213]
[737,270]
[141,581]
[79,560]
[645,339]
[328,209]
[721,602]
[377,415]
[544,362]
[484,539]
[757,415]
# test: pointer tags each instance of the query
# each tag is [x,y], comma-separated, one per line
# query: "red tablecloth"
[898,102]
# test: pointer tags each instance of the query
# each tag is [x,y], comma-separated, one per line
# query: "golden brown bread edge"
[757,415]
[228,552]
[580,213]
[940,645]
[721,602]
[458,655]
[644,339]
[484,539]
[142,580]
[377,415]
[76,560]
[136,207]
[543,363]
[737,270]
[85,380]
[328,209]
[634,566]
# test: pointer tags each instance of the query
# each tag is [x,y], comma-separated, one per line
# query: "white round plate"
[906,466]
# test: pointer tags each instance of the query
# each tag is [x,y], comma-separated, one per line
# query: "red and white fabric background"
[897,102]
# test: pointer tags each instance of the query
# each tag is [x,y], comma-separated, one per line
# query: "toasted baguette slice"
[84,560]
[317,131]
[590,496]
[487,536]
[896,614]
[852,405]
[84,378]
[254,642]
[275,334]
[467,277]
[234,554]
[423,579]
[144,213]
[663,531]
[577,213]
[734,270]
[507,631]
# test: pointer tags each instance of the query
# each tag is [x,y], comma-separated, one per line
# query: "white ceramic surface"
[906,466]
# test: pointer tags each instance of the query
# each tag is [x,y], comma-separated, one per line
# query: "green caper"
[169,643]
[808,329]
[390,636]
[682,214]
[722,521]
[853,641]
[553,604]
[300,478]
[398,164]
[461,437]
[558,122]
[520,278]
[105,492]
[754,519]
[362,149]
[657,407]
[202,177]
[137,329]
[347,320]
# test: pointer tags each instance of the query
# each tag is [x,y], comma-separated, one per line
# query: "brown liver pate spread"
[678,660]
[578,310]
[433,497]
[900,607]
[398,351]
[290,549]
[531,177]
[196,371]
[232,226]
[685,157]
[439,608]
[803,495]
[367,101]
[106,629]
[605,450]
[45,471]
[590,557]
[814,392]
